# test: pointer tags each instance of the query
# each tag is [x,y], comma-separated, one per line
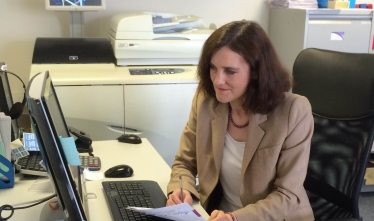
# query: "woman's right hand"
[176,197]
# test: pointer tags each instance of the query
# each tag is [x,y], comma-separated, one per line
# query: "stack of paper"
[294,3]
[180,212]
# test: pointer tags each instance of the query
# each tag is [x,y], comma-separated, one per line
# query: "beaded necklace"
[233,123]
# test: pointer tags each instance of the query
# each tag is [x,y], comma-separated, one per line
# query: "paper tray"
[9,183]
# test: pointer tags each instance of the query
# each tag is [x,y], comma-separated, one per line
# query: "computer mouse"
[130,138]
[119,171]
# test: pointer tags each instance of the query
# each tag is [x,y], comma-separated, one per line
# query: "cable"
[90,150]
[11,208]
[34,201]
[46,199]
[6,207]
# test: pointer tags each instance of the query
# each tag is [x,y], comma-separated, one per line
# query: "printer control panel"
[146,71]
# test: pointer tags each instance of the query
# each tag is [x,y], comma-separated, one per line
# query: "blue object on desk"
[363,6]
[352,3]
[30,142]
[70,151]
[322,3]
[9,174]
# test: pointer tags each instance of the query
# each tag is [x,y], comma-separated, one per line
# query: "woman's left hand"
[219,215]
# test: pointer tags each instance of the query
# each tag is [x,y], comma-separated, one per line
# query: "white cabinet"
[292,30]
[339,35]
[94,97]
[161,112]
[98,102]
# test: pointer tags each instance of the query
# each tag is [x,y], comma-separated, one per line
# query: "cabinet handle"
[121,129]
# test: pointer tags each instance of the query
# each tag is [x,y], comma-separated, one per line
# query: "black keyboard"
[121,194]
[30,164]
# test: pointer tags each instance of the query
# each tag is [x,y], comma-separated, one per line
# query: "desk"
[143,158]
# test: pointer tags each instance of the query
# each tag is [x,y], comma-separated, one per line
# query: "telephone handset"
[83,141]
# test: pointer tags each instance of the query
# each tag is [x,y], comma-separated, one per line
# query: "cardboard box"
[369,176]
[338,4]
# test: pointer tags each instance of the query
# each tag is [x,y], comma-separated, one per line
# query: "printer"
[157,38]
[140,80]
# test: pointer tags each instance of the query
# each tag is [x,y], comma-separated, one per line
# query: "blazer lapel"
[255,134]
[219,128]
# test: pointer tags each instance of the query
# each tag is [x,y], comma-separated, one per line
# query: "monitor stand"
[42,184]
[47,214]
[76,24]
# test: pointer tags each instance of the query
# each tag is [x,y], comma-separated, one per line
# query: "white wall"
[22,21]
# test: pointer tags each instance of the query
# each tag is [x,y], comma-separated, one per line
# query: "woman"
[247,137]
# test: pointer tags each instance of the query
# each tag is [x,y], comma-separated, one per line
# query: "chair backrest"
[340,88]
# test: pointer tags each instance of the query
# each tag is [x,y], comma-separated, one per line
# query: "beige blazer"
[274,163]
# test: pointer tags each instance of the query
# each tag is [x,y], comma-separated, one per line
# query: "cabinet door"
[98,103]
[160,112]
[340,35]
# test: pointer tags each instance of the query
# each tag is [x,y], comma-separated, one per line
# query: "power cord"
[12,208]
[90,151]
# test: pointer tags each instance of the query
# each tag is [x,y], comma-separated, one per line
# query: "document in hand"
[180,212]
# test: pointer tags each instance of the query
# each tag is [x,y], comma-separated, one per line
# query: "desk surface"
[143,158]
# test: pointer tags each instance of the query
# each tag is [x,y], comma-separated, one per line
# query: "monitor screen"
[49,126]
[6,101]
[75,5]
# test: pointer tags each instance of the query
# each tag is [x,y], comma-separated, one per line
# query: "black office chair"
[340,88]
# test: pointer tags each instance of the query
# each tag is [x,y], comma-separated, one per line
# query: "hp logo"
[73,58]
[121,45]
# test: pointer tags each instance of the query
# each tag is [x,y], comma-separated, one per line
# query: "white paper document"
[180,212]
[89,175]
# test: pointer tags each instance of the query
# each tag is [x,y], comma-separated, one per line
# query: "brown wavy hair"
[269,79]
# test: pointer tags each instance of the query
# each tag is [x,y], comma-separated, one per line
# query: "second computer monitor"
[6,102]
[49,127]
[75,5]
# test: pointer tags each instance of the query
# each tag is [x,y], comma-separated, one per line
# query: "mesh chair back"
[339,87]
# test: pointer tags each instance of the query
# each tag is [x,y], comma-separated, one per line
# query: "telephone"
[83,141]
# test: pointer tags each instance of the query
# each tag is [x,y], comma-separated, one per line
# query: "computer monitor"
[6,102]
[49,126]
[75,5]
